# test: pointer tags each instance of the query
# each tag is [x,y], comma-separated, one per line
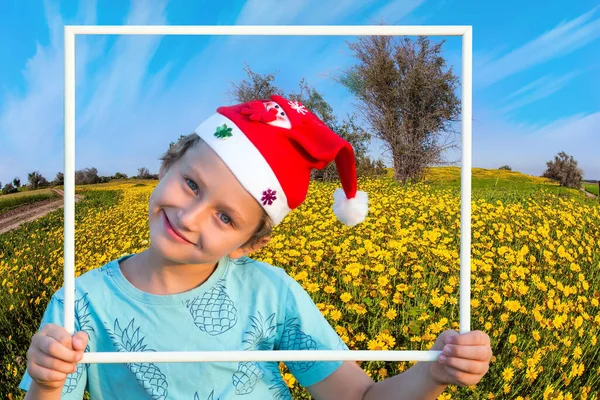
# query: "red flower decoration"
[258,112]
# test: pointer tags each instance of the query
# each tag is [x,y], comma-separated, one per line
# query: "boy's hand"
[53,355]
[467,361]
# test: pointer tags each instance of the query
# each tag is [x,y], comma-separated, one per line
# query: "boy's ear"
[242,251]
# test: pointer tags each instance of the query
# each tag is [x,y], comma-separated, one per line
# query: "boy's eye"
[194,185]
[225,219]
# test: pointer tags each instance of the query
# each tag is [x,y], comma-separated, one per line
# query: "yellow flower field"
[391,283]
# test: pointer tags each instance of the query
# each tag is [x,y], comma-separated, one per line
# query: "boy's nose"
[194,216]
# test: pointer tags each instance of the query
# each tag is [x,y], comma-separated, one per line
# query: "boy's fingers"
[51,347]
[479,353]
[80,340]
[46,375]
[60,334]
[466,366]
[472,338]
[45,361]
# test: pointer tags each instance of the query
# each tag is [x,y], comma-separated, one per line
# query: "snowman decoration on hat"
[271,146]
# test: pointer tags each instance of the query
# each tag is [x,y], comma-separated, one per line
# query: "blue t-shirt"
[244,305]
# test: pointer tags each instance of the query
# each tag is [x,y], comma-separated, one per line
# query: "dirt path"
[14,218]
[588,194]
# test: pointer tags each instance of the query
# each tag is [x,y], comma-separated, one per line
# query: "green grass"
[591,187]
[13,200]
[506,186]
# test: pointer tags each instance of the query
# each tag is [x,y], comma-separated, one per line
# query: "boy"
[220,192]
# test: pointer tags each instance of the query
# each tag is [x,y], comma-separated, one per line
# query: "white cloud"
[393,12]
[537,90]
[32,124]
[266,12]
[120,79]
[526,148]
[560,41]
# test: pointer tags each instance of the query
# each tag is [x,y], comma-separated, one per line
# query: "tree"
[120,175]
[36,180]
[16,182]
[506,167]
[87,176]
[262,87]
[564,170]
[9,188]
[406,98]
[144,173]
[60,179]
[259,87]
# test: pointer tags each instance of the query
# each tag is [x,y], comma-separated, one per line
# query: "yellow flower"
[289,380]
[512,305]
[576,370]
[329,289]
[402,287]
[376,345]
[335,315]
[507,374]
[383,280]
[391,314]
[437,301]
[346,297]
[301,276]
[512,339]
[577,352]
[361,337]
[312,287]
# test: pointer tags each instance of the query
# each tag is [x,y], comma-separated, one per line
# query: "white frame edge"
[70,32]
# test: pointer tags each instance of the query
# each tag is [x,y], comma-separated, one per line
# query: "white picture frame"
[70,32]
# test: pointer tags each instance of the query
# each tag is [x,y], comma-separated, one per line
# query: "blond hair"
[176,152]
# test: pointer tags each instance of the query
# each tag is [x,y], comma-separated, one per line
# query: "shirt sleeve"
[76,382]
[305,328]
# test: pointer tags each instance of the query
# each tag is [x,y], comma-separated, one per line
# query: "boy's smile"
[173,232]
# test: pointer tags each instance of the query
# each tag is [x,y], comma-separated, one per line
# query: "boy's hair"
[177,150]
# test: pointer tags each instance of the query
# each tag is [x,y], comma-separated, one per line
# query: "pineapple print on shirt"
[148,375]
[106,269]
[210,396]
[214,312]
[82,316]
[259,337]
[242,260]
[294,339]
[279,388]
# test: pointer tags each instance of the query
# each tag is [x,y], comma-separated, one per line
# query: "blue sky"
[536,64]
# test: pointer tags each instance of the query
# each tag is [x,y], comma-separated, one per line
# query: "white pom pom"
[350,211]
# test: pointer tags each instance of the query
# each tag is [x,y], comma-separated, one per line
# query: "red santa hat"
[271,146]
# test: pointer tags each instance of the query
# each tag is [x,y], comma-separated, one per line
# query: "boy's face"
[204,202]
